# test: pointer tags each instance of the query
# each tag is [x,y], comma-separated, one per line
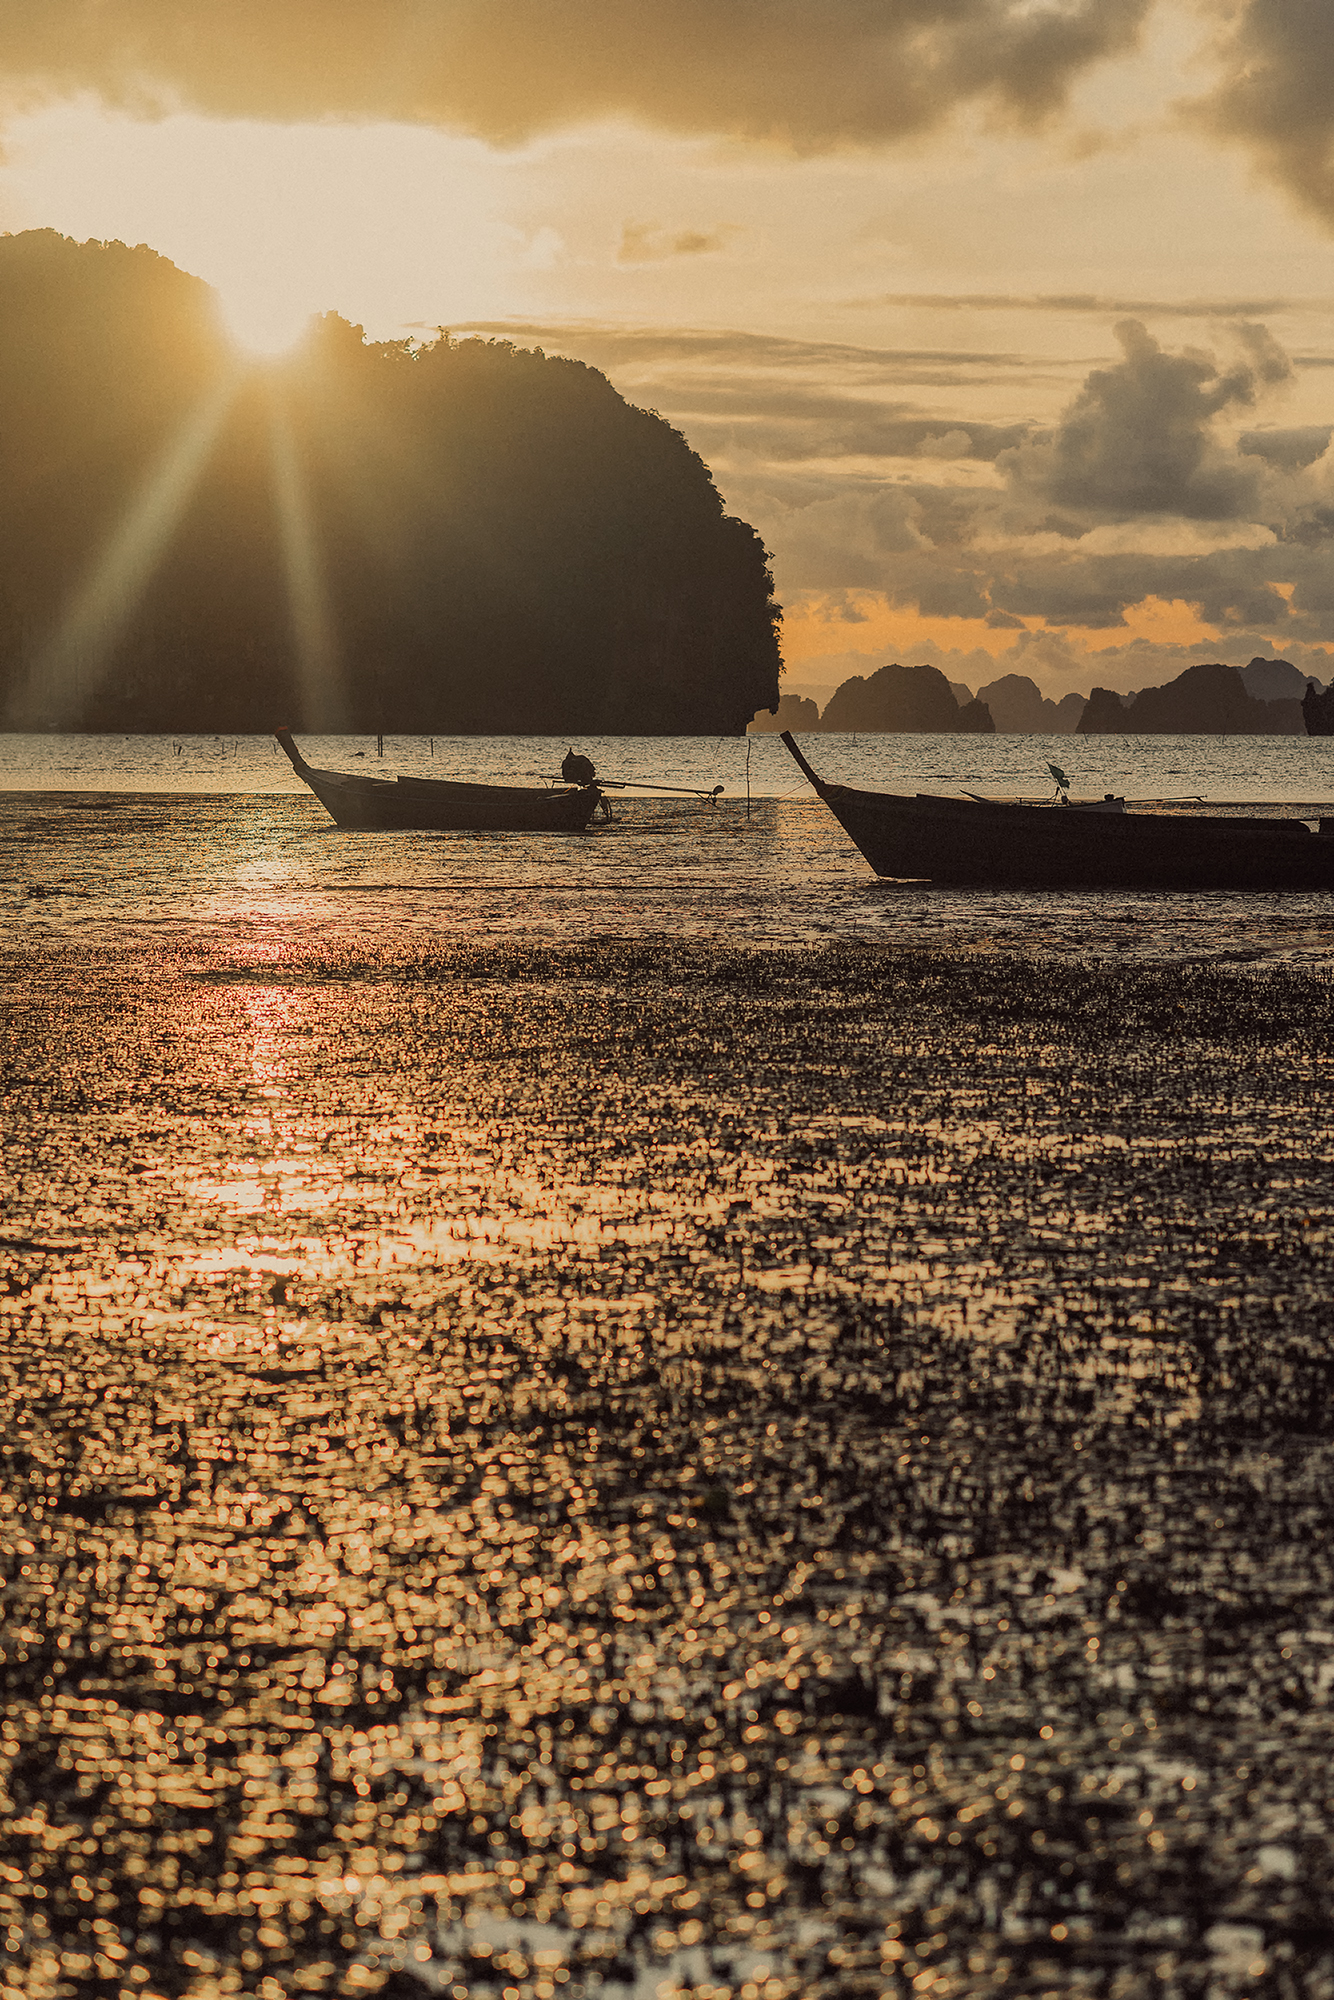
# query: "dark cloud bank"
[807,76]
[1275,96]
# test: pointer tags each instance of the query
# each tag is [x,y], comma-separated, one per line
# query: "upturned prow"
[802,765]
[284,737]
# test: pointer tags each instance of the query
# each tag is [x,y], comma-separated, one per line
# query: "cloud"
[646,243]
[804,74]
[1092,303]
[1232,589]
[790,425]
[1275,96]
[746,397]
[925,550]
[1290,450]
[1140,437]
[854,539]
[636,347]
[1140,491]
[808,76]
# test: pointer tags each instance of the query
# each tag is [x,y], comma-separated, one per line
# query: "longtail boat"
[436,805]
[1002,843]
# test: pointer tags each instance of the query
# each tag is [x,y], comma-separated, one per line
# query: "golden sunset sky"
[1006,322]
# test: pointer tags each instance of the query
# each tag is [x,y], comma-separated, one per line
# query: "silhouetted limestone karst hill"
[465,537]
[1208,700]
[1273,680]
[1020,708]
[1318,710]
[975,719]
[1104,714]
[893,699]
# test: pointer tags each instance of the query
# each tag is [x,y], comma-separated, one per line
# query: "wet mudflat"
[639,1469]
[131,871]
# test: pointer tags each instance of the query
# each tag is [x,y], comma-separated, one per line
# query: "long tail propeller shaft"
[639,785]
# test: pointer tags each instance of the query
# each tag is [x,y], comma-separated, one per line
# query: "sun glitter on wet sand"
[640,1469]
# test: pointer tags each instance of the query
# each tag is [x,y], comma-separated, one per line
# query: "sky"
[1006,322]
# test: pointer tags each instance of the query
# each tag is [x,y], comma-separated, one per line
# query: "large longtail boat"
[1004,843]
[436,805]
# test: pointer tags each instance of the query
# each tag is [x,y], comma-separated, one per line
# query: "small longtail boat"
[437,805]
[1001,843]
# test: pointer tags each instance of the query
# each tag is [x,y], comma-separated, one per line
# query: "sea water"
[1220,768]
[213,840]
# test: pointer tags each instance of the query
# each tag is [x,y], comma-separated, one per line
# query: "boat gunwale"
[1121,825]
[962,842]
[404,804]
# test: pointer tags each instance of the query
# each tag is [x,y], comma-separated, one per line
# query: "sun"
[263,323]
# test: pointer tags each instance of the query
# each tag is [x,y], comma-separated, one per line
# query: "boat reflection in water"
[436,805]
[1001,843]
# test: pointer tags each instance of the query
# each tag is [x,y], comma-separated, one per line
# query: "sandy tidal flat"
[636,1469]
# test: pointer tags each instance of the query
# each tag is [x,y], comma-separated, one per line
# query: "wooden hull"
[971,843]
[434,805]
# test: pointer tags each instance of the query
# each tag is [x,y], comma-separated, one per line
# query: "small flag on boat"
[1062,782]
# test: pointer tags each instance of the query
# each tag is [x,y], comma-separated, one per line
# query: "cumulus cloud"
[1290,450]
[1142,490]
[809,74]
[1140,438]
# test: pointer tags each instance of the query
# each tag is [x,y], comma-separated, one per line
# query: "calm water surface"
[1218,768]
[201,837]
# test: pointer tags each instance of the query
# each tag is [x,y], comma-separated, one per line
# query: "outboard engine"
[577,770]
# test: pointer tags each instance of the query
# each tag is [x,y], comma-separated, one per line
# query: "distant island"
[456,537]
[1208,700]
[1263,698]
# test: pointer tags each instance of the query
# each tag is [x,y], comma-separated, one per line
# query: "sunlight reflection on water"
[264,876]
